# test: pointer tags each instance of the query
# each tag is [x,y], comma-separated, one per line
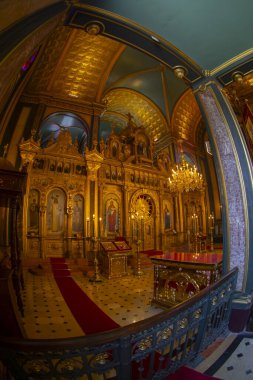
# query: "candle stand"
[138,271]
[211,227]
[96,277]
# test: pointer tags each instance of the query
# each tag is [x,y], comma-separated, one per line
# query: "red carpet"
[88,315]
[185,373]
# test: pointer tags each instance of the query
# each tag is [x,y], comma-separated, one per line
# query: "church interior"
[125,187]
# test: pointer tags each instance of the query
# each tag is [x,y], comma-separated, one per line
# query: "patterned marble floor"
[126,300]
[232,359]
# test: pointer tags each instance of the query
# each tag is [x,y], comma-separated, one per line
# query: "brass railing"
[149,349]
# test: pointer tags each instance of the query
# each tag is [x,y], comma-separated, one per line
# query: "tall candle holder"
[195,230]
[94,240]
[137,221]
[138,271]
[211,228]
[96,277]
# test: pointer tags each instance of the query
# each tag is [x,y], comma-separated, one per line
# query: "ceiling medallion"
[94,28]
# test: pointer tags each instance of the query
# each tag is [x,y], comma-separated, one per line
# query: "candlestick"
[132,219]
[211,227]
[88,227]
[93,225]
[194,223]
[142,231]
[99,227]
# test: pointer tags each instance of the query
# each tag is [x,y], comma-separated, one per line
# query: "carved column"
[234,172]
[94,160]
[42,230]
[126,226]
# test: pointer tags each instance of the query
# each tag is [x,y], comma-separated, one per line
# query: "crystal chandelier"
[185,178]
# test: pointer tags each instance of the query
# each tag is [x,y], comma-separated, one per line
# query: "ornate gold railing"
[150,349]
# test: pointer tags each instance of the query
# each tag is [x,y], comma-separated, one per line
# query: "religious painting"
[167,216]
[77,219]
[55,212]
[111,219]
[108,246]
[33,212]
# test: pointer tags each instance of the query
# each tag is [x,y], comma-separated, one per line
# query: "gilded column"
[42,229]
[234,172]
[126,226]
[94,160]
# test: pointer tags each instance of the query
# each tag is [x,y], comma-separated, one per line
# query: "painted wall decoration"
[33,212]
[167,216]
[55,212]
[111,219]
[78,218]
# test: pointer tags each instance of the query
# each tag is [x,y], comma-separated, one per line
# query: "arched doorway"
[142,220]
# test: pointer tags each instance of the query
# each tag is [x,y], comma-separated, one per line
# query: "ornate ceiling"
[124,101]
[75,66]
[186,117]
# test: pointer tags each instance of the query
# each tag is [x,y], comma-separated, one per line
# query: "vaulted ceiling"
[79,67]
[76,66]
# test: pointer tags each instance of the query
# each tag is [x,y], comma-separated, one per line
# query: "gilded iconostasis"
[102,126]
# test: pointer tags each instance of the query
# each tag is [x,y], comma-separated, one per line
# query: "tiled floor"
[232,360]
[126,300]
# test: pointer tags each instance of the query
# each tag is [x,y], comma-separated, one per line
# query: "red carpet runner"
[88,315]
[185,373]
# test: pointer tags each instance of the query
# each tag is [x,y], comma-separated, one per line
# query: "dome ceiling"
[123,101]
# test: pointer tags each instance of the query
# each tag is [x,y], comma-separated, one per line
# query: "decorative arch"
[143,216]
[53,124]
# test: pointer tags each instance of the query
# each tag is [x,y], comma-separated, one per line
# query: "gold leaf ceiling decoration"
[78,72]
[46,65]
[145,113]
[186,117]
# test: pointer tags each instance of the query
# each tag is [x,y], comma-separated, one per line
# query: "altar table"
[180,275]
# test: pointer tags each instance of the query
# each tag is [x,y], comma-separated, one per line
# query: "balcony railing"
[149,349]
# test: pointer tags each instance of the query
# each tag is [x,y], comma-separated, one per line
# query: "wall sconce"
[237,77]
[180,72]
